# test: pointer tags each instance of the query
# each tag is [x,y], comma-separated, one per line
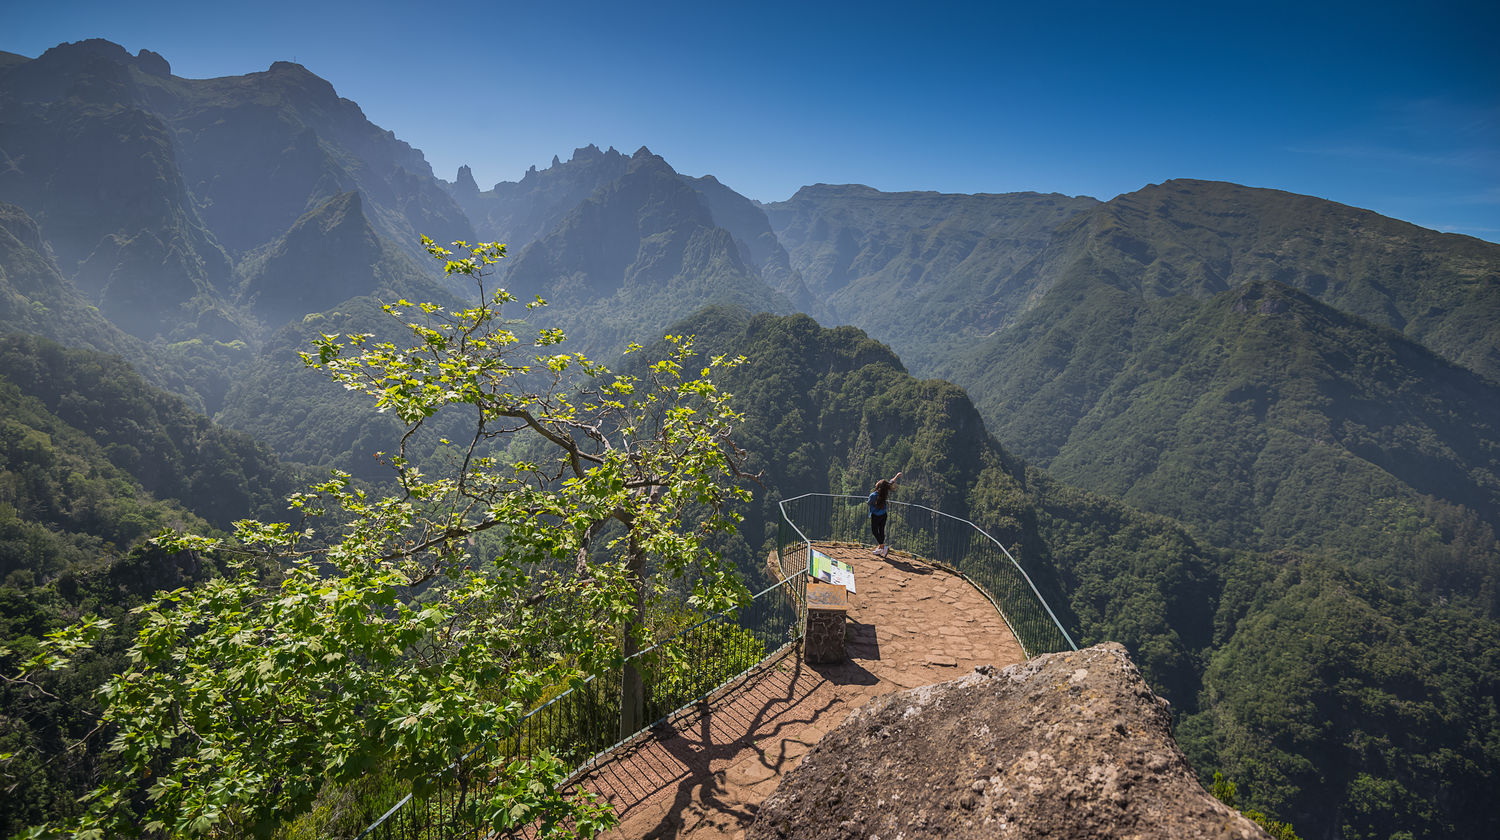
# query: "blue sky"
[1393,107]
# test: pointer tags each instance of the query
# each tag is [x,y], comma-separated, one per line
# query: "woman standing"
[877,500]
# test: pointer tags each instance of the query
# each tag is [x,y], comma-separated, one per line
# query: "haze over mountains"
[1286,377]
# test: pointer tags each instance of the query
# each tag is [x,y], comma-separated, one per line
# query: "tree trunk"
[632,686]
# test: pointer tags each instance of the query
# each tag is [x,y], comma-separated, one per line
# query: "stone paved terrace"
[705,777]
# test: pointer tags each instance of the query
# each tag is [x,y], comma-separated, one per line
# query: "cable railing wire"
[941,538]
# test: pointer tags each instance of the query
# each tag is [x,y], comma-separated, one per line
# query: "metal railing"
[945,540]
[582,724]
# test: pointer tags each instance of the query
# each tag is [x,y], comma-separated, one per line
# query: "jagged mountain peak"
[643,159]
[88,48]
[591,152]
[585,152]
[641,249]
[519,212]
[77,56]
[464,181]
[153,63]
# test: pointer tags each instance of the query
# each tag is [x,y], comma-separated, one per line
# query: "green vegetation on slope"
[640,253]
[152,436]
[1343,699]
[1265,420]
[92,462]
[355,671]
[926,272]
[1287,670]
[1199,238]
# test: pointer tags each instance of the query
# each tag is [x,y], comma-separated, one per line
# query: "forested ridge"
[93,462]
[1308,676]
[1223,634]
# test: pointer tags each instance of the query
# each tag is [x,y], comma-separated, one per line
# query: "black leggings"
[877,527]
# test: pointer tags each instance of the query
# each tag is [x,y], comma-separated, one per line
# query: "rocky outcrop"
[1067,745]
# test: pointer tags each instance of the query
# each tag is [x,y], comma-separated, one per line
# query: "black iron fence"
[581,724]
[933,535]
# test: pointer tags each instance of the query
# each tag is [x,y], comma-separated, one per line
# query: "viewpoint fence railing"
[582,724]
[938,537]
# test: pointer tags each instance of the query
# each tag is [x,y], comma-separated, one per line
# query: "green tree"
[1227,792]
[246,695]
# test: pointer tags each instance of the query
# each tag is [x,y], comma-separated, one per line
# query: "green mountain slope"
[150,187]
[927,272]
[99,171]
[34,297]
[331,254]
[92,462]
[1201,237]
[154,437]
[299,413]
[1341,696]
[1259,415]
[759,247]
[641,252]
[264,148]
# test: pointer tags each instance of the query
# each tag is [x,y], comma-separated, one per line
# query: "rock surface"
[1068,745]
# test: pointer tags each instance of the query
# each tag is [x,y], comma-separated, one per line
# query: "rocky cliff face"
[1071,745]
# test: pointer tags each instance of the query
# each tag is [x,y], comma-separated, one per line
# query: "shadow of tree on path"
[680,755]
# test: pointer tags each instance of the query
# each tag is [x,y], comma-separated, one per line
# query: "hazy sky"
[1390,106]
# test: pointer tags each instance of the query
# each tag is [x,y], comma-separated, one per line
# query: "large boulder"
[1067,745]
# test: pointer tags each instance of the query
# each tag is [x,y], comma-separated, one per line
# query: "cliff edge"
[1069,745]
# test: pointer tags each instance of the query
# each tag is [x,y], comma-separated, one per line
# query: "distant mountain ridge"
[521,212]
[1201,237]
[642,251]
[927,272]
[1137,334]
[150,188]
[256,200]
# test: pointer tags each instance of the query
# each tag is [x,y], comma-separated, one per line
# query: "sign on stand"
[822,567]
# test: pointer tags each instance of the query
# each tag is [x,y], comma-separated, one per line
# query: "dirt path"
[912,625]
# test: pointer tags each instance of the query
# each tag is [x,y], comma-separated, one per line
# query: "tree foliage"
[245,695]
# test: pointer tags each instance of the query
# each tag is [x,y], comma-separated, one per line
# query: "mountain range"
[1216,418]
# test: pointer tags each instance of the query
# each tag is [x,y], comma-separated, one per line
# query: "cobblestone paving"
[912,624]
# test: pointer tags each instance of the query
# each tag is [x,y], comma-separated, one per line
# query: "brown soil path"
[704,779]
